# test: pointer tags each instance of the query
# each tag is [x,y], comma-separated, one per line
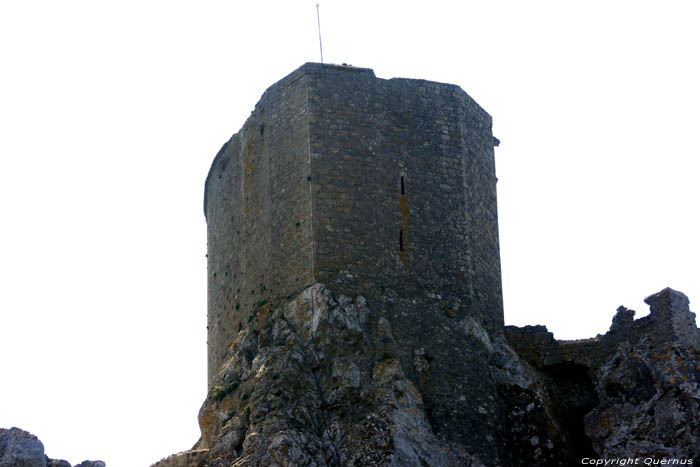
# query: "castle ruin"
[373,187]
[355,309]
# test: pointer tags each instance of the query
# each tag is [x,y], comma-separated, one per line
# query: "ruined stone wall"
[382,194]
[669,320]
[633,391]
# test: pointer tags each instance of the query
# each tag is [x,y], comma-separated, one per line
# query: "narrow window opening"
[400,240]
[403,190]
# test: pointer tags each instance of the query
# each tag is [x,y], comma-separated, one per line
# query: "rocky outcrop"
[192,458]
[315,382]
[649,388]
[19,448]
[633,392]
[535,431]
[412,365]
[649,403]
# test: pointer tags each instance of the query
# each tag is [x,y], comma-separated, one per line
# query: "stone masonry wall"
[404,194]
[382,193]
[258,210]
[382,188]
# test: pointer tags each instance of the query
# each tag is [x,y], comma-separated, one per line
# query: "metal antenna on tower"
[320,44]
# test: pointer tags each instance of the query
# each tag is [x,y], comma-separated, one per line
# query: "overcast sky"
[111,113]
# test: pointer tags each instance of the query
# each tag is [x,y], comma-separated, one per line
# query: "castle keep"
[384,188]
[355,312]
[372,187]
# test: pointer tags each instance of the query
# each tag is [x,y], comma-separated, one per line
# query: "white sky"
[111,113]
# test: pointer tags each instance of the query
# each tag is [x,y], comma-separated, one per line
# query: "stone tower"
[373,187]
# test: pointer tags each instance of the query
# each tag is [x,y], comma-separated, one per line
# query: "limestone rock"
[425,374]
[316,382]
[649,403]
[192,458]
[19,448]
[57,463]
[535,430]
[633,392]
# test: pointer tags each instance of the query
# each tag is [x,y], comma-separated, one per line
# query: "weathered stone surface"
[317,383]
[633,392]
[649,403]
[192,458]
[57,463]
[19,448]
[535,430]
[669,321]
[384,190]
[374,187]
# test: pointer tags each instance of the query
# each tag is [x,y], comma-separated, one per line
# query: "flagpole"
[320,44]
